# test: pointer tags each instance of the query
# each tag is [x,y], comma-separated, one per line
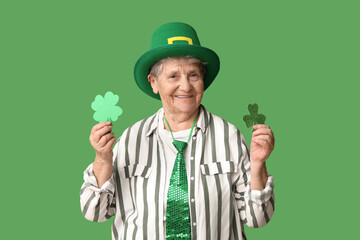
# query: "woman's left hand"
[262,143]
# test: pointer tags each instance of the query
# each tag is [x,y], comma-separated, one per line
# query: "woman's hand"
[102,141]
[262,143]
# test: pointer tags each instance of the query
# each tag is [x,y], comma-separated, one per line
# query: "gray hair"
[156,68]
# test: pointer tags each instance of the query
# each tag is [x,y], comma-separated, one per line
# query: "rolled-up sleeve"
[98,204]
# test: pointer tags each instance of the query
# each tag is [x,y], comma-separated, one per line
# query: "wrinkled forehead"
[180,65]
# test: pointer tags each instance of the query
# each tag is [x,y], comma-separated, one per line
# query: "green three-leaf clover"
[254,118]
[105,107]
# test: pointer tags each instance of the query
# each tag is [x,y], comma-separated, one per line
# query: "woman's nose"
[185,84]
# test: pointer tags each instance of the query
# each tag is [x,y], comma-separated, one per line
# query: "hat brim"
[144,63]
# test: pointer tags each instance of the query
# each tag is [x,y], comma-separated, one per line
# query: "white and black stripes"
[219,188]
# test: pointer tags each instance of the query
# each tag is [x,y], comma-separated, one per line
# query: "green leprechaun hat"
[174,39]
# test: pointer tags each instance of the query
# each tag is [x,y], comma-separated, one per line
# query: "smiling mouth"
[183,97]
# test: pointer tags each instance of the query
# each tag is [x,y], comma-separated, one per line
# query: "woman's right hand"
[102,141]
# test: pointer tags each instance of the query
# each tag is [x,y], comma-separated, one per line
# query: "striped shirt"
[220,200]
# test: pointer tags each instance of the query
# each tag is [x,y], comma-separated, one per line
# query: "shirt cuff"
[261,196]
[90,179]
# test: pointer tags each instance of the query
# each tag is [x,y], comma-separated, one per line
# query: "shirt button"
[194,224]
[191,158]
[192,200]
[194,137]
[192,178]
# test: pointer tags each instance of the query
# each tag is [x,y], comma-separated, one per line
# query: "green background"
[299,60]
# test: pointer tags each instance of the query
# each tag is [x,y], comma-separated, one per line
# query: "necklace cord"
[190,131]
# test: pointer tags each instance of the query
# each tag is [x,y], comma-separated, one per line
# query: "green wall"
[299,60]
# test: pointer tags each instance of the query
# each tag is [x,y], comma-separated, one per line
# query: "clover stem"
[252,128]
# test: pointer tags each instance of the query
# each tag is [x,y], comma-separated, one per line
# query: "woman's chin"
[187,108]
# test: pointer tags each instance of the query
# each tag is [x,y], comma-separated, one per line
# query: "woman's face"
[180,85]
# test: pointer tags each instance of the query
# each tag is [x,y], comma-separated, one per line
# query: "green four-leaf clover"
[105,107]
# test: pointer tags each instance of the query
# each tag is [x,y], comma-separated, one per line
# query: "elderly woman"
[182,173]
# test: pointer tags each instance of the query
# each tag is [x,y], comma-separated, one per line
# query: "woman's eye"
[172,76]
[194,75]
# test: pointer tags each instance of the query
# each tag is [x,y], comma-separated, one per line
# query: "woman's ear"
[152,81]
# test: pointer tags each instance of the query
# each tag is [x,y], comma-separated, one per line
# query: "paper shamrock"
[105,107]
[254,118]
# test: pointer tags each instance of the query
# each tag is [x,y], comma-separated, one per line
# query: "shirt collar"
[202,122]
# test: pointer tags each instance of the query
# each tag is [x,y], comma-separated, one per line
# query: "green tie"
[177,209]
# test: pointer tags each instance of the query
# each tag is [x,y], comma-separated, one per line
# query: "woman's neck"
[179,122]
